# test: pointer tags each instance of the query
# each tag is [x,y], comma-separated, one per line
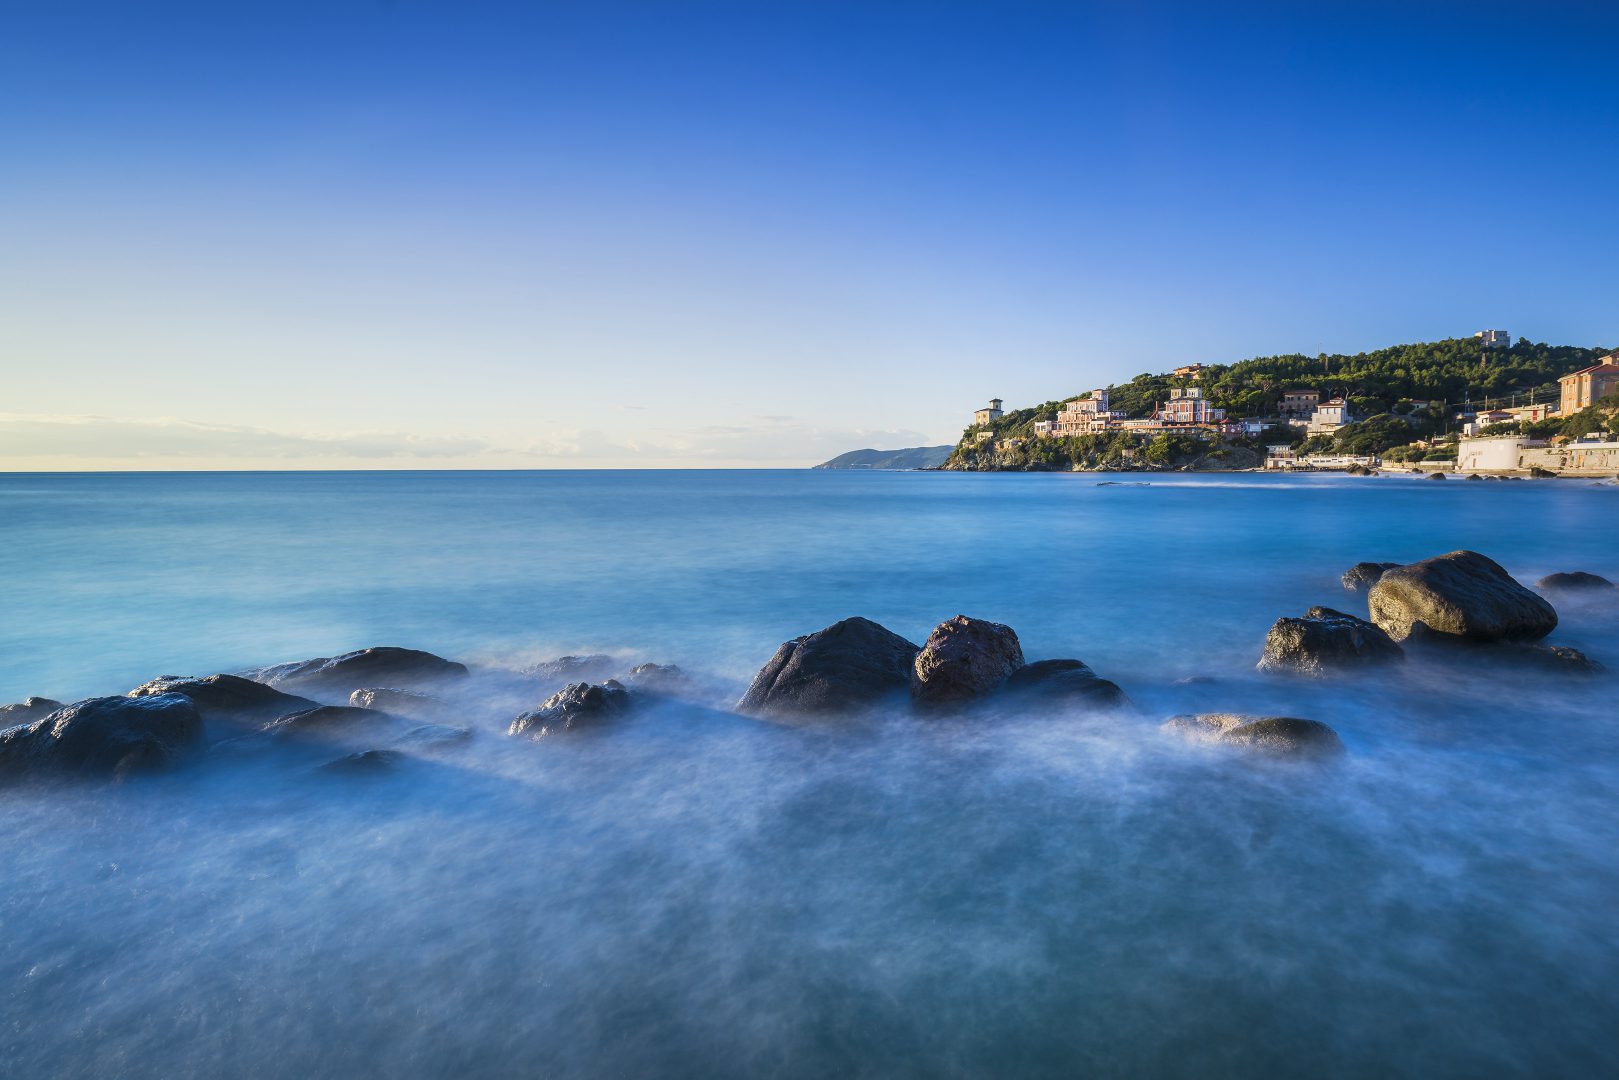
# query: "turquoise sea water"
[697,894]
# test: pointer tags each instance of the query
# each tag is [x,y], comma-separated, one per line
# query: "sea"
[692,893]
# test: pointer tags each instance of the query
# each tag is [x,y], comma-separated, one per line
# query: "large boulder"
[1577,581]
[27,711]
[1363,575]
[1053,681]
[850,665]
[1324,640]
[964,659]
[226,701]
[1278,736]
[340,676]
[576,706]
[410,703]
[103,737]
[1460,597]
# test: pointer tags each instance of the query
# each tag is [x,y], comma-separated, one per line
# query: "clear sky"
[430,234]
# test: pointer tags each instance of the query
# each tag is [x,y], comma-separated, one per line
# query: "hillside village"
[1481,404]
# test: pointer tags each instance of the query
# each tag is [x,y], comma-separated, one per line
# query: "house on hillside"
[1582,388]
[1086,416]
[1329,416]
[1189,371]
[989,415]
[1189,406]
[1299,404]
[1494,339]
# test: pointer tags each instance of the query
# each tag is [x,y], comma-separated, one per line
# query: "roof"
[1606,367]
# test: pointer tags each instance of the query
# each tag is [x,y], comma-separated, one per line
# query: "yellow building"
[989,415]
[1582,388]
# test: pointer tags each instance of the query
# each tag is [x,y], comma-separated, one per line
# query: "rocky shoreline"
[371,710]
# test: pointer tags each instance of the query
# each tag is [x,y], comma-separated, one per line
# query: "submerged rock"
[964,659]
[852,664]
[429,738]
[1552,659]
[666,679]
[27,711]
[572,667]
[339,676]
[1363,575]
[410,703]
[330,721]
[578,705]
[1462,596]
[1575,581]
[226,701]
[1324,640]
[103,737]
[364,763]
[1280,736]
[1064,680]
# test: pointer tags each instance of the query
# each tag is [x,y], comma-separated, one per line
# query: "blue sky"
[423,234]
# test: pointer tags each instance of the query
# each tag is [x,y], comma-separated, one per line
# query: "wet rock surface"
[573,668]
[27,711]
[107,737]
[852,664]
[964,659]
[1363,575]
[411,703]
[340,676]
[574,707]
[1462,596]
[1324,640]
[1053,681]
[1278,736]
[226,701]
[364,763]
[1577,581]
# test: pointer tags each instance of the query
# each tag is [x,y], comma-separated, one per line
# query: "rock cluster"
[575,706]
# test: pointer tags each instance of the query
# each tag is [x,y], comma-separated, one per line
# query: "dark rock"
[575,706]
[1436,476]
[365,763]
[1462,596]
[1325,640]
[429,738]
[1537,473]
[964,659]
[410,703]
[325,722]
[1576,581]
[665,679]
[1363,575]
[573,668]
[1281,736]
[27,711]
[1474,476]
[339,676]
[227,701]
[1552,659]
[103,737]
[1065,680]
[851,664]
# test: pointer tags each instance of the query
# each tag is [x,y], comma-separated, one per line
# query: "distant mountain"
[912,457]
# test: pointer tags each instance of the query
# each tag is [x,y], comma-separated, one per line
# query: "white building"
[1494,339]
[1329,416]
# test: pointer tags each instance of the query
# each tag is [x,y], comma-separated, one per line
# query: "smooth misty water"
[697,894]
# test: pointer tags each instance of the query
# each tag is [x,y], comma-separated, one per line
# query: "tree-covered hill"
[1381,387]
